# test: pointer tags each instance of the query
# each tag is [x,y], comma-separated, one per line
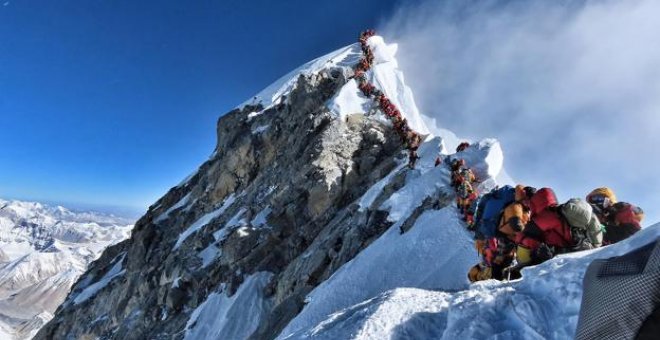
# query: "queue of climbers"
[514,227]
[409,137]
[523,226]
[464,181]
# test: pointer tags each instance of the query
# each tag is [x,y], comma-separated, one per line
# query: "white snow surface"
[231,317]
[209,254]
[204,220]
[260,219]
[184,201]
[43,251]
[386,77]
[544,304]
[260,129]
[92,289]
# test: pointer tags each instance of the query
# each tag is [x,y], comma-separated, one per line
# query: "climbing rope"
[410,138]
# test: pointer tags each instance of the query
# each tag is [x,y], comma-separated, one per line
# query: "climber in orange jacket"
[516,215]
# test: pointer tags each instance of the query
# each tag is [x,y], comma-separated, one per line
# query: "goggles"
[599,200]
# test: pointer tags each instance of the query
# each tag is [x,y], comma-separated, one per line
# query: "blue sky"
[113,102]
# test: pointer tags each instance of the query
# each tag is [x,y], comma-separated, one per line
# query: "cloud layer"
[571,89]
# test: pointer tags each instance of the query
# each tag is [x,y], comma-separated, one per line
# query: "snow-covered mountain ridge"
[43,250]
[291,229]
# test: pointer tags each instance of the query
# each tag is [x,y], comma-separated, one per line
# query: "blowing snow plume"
[570,88]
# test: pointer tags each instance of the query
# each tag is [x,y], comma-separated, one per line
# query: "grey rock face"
[285,182]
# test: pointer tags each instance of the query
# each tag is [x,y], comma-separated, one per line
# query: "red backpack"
[627,213]
[554,231]
[624,221]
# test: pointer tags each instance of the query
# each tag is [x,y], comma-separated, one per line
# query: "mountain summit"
[305,221]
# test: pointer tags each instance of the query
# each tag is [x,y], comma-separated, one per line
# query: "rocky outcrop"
[276,196]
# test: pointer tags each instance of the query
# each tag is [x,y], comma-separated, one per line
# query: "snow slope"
[235,317]
[43,251]
[544,304]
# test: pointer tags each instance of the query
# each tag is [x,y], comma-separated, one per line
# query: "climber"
[516,215]
[555,229]
[366,88]
[465,195]
[621,219]
[462,146]
[413,140]
[412,158]
[489,210]
[438,159]
[497,254]
[455,166]
[495,247]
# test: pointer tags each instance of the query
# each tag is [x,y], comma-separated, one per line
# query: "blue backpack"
[489,210]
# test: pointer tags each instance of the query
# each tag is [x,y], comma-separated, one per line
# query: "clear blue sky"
[113,102]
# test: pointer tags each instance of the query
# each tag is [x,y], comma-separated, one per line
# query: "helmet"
[598,195]
[473,274]
[524,192]
[639,214]
[480,272]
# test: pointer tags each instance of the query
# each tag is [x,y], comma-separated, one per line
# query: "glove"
[544,252]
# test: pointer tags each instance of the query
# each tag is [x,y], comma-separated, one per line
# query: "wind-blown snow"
[92,289]
[235,317]
[204,220]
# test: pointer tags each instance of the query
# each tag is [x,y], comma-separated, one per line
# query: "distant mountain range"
[43,251]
